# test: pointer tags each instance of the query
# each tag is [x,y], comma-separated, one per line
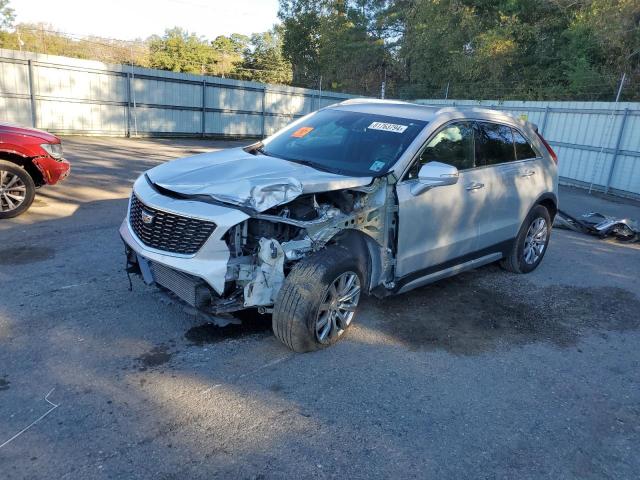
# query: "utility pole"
[384,84]
[446,92]
[606,133]
[133,92]
[624,76]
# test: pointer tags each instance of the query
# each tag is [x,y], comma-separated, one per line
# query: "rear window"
[494,144]
[348,143]
[524,150]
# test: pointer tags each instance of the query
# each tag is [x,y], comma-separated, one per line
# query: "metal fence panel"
[598,143]
[66,95]
[14,78]
[15,110]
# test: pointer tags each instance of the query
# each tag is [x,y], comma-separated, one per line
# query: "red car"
[29,158]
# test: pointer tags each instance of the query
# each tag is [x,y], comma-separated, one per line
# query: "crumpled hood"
[257,182]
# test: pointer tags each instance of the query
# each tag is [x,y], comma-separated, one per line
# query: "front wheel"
[318,300]
[17,190]
[531,243]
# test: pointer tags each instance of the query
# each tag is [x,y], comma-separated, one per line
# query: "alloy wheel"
[13,191]
[536,241]
[338,307]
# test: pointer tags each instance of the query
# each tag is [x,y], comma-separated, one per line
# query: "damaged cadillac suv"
[363,197]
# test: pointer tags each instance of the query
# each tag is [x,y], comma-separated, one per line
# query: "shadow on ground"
[484,309]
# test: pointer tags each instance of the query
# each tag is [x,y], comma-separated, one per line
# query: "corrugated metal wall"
[71,96]
[598,143]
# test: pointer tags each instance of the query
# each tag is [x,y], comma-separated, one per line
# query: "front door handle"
[474,186]
[528,173]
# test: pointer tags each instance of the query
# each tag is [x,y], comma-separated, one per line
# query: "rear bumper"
[53,171]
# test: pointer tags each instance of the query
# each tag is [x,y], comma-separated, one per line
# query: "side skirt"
[452,267]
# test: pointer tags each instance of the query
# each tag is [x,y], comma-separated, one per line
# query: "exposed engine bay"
[264,247]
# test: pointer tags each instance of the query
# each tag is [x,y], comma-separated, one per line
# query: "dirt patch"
[479,311]
[25,255]
[252,324]
[153,358]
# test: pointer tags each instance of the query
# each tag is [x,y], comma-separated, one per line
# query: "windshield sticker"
[301,132]
[387,127]
[377,166]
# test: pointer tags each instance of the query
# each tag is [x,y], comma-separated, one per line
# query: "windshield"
[348,143]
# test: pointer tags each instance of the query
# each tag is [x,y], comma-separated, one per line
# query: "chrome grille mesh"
[167,231]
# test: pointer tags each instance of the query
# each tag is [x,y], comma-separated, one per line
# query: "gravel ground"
[485,375]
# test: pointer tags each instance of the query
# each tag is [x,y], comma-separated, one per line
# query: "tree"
[180,51]
[341,41]
[230,52]
[264,60]
[6,15]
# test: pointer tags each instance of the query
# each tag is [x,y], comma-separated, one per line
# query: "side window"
[494,144]
[452,145]
[523,147]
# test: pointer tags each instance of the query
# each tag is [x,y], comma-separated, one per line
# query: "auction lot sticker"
[387,127]
[301,132]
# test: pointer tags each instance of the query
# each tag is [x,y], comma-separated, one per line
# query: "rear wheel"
[531,244]
[17,190]
[319,300]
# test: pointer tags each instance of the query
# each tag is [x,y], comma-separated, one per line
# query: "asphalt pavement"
[485,375]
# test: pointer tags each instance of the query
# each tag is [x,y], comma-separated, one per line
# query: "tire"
[309,301]
[17,190]
[531,243]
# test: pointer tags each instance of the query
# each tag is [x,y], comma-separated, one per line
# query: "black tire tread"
[511,262]
[31,188]
[295,300]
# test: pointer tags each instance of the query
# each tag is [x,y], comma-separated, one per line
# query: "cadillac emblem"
[147,218]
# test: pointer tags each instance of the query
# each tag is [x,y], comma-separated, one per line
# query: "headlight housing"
[53,149]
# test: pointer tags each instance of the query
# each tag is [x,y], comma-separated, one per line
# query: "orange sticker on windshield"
[301,132]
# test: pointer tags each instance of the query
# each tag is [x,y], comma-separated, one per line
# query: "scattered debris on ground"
[593,223]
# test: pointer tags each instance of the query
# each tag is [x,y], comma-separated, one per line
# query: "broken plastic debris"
[593,223]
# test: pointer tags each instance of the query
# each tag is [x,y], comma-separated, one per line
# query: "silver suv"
[363,197]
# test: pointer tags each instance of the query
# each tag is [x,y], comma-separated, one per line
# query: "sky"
[131,19]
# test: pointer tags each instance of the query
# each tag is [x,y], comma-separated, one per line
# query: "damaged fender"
[269,276]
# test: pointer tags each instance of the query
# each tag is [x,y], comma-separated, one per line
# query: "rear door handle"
[474,186]
[527,173]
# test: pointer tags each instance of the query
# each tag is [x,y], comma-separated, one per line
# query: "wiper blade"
[261,150]
[257,148]
[311,164]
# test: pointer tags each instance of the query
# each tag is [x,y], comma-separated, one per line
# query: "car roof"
[428,113]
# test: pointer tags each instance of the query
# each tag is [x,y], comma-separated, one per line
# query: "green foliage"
[527,49]
[504,49]
[42,38]
[230,52]
[6,15]
[335,40]
[263,59]
[180,51]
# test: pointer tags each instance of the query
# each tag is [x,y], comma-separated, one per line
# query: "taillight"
[554,157]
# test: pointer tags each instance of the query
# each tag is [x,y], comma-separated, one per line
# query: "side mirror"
[435,174]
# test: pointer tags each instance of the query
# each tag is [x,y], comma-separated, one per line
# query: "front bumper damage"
[230,273]
[52,170]
[210,262]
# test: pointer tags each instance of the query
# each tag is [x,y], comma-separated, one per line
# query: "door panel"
[440,224]
[505,217]
[496,153]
